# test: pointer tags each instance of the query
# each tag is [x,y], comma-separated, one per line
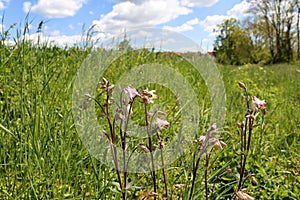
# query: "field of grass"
[42,156]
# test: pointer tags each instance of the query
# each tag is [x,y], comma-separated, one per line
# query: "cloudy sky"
[64,19]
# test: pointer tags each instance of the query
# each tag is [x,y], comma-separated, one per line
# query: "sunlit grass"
[42,157]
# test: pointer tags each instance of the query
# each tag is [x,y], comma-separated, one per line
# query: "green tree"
[233,44]
[277,16]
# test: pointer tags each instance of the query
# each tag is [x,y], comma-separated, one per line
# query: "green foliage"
[42,157]
[233,45]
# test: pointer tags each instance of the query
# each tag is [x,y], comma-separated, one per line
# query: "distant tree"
[233,44]
[277,17]
[263,47]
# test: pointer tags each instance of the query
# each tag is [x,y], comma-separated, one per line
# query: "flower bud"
[242,85]
[254,181]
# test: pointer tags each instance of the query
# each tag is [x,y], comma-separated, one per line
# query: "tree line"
[270,34]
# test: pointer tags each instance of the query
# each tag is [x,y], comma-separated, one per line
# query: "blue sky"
[64,19]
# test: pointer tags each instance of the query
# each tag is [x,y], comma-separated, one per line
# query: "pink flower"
[217,143]
[105,84]
[129,109]
[244,196]
[162,146]
[202,138]
[142,146]
[240,194]
[152,194]
[259,103]
[161,123]
[180,185]
[148,96]
[131,93]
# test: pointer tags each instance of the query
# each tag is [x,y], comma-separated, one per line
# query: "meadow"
[42,156]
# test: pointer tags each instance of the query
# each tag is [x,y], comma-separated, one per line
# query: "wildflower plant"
[118,124]
[254,106]
[206,144]
[118,128]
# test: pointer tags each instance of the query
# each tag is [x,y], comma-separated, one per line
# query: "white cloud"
[54,8]
[189,25]
[133,14]
[210,22]
[3,4]
[239,10]
[55,38]
[55,33]
[133,1]
[199,3]
[26,6]
[71,27]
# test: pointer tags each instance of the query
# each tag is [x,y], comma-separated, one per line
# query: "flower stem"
[205,176]
[150,149]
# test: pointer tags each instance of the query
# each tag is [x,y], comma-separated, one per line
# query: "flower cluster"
[210,139]
[259,104]
[148,96]
[244,196]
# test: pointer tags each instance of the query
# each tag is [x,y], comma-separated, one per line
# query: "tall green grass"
[42,157]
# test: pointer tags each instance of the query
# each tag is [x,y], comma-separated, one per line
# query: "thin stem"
[195,169]
[245,143]
[112,131]
[205,175]
[114,154]
[163,166]
[150,149]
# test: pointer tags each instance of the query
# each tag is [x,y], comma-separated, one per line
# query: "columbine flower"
[129,109]
[248,197]
[162,146]
[212,131]
[202,138]
[152,194]
[142,146]
[131,93]
[148,96]
[240,194]
[259,103]
[180,185]
[161,123]
[105,84]
[244,196]
[119,115]
[217,143]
